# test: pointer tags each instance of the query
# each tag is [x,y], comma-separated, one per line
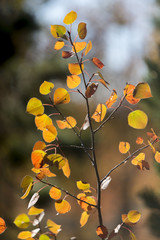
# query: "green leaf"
[82,30]
[22,221]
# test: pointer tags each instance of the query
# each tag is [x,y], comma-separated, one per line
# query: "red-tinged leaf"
[62,206]
[39,145]
[83,185]
[37,157]
[61,96]
[24,235]
[128,92]
[2,225]
[134,216]
[53,227]
[55,193]
[84,218]
[59,45]
[82,30]
[78,46]
[67,54]
[91,89]
[35,211]
[70,18]
[112,99]
[33,199]
[100,113]
[42,121]
[22,221]
[124,147]
[142,90]
[139,140]
[75,69]
[58,31]
[73,81]
[49,133]
[35,107]
[97,62]
[137,119]
[88,48]
[157,156]
[46,87]
[66,169]
[102,231]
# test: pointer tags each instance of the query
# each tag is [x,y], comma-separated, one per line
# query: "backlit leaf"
[2,225]
[57,159]
[91,89]
[83,185]
[35,107]
[61,96]
[82,30]
[157,156]
[44,237]
[75,69]
[59,45]
[49,133]
[24,235]
[139,140]
[137,119]
[88,47]
[133,216]
[55,193]
[128,92]
[37,157]
[33,199]
[97,62]
[124,147]
[58,31]
[62,206]
[112,99]
[53,227]
[73,81]
[78,46]
[39,145]
[26,181]
[44,172]
[70,17]
[84,218]
[46,87]
[42,121]
[66,169]
[102,231]
[35,211]
[22,221]
[100,113]
[142,90]
[67,54]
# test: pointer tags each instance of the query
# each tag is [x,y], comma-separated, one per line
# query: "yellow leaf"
[49,133]
[59,45]
[61,96]
[126,221]
[157,156]
[82,30]
[66,169]
[46,87]
[133,216]
[62,206]
[132,236]
[70,18]
[2,225]
[112,99]
[89,199]
[35,107]
[84,218]
[73,81]
[55,193]
[26,181]
[88,48]
[42,121]
[24,235]
[53,227]
[22,221]
[57,159]
[35,211]
[70,122]
[137,119]
[27,191]
[128,92]
[100,113]
[75,69]
[78,46]
[44,237]
[83,185]
[124,147]
[58,31]
[138,159]
[142,90]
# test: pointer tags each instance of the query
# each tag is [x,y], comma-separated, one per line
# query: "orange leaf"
[138,161]
[39,145]
[58,31]
[44,172]
[55,193]
[89,199]
[75,69]
[82,30]
[124,147]
[157,156]
[2,225]
[24,235]
[70,17]
[97,62]
[112,99]
[49,133]
[59,45]
[62,206]
[128,91]
[73,81]
[53,227]
[88,48]
[66,169]
[67,54]
[61,96]
[37,157]
[102,231]
[100,113]
[42,121]
[84,218]
[142,90]
[70,122]
[78,46]
[46,87]
[139,140]
[91,89]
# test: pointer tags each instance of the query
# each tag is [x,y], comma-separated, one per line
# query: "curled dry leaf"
[82,30]
[33,199]
[91,89]
[97,62]
[86,123]
[38,219]
[102,231]
[67,54]
[137,119]
[105,183]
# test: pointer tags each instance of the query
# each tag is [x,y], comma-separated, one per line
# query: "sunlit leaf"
[82,185]
[44,172]
[49,133]
[39,145]
[22,221]
[128,92]
[62,206]
[44,237]
[88,47]
[137,119]
[124,147]
[142,90]
[24,235]
[82,30]
[58,31]
[67,54]
[46,87]
[70,122]
[132,236]
[61,96]
[37,157]
[33,199]
[53,227]
[2,225]
[42,121]
[57,159]
[70,17]
[100,113]
[97,62]
[140,162]
[91,89]
[88,199]
[73,81]
[84,218]
[35,211]
[55,193]
[139,140]
[59,45]
[133,216]
[112,99]
[126,221]
[102,231]
[105,183]
[78,46]
[75,69]
[157,156]
[35,107]
[66,169]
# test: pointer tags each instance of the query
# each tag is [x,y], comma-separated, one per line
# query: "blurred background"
[126,37]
